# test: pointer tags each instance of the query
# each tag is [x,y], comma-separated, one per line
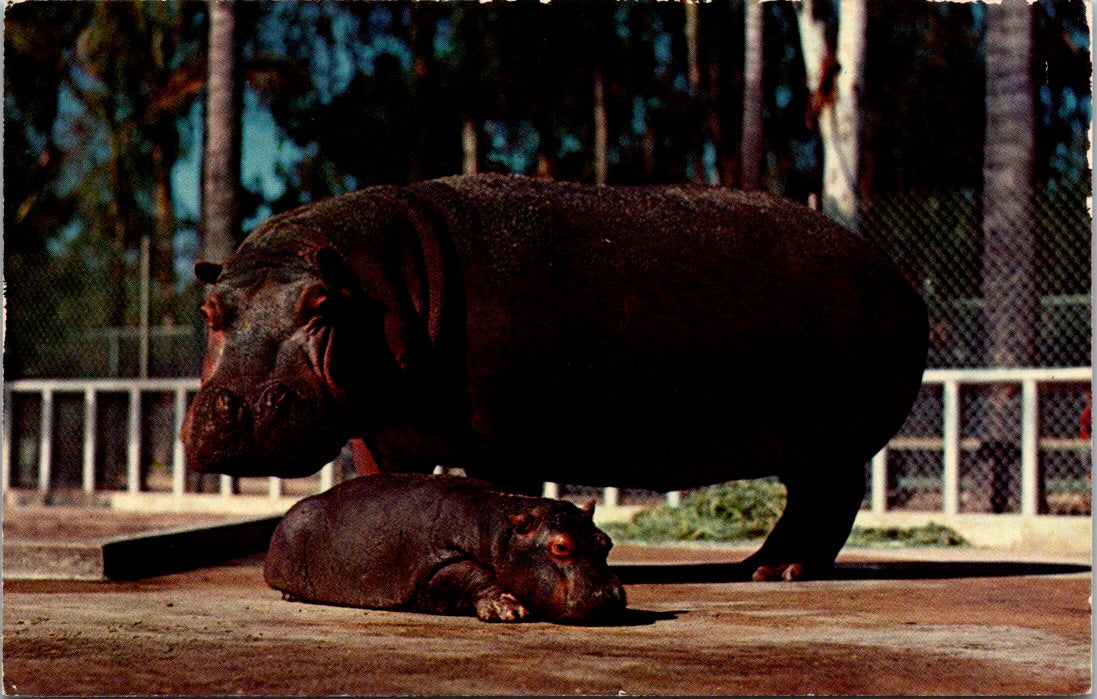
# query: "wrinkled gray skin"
[445,545]
[653,337]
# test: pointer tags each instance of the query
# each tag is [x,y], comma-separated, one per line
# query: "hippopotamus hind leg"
[818,517]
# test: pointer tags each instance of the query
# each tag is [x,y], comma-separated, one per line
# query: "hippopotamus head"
[274,394]
[555,563]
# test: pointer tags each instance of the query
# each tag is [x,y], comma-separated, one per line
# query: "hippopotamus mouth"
[604,603]
[290,429]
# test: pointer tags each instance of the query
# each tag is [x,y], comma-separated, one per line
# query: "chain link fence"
[937,239]
[939,242]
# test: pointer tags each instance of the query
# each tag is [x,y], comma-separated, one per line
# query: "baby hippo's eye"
[561,548]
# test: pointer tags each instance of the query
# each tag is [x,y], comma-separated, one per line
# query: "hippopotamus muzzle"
[593,604]
[293,428]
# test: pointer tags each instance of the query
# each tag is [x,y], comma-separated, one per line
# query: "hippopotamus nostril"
[617,592]
[275,398]
[227,407]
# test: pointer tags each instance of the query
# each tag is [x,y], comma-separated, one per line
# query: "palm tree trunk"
[469,147]
[601,130]
[221,171]
[696,165]
[1008,163]
[751,146]
[1009,244]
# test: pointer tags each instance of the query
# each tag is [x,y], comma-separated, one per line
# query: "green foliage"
[734,511]
[747,510]
[931,534]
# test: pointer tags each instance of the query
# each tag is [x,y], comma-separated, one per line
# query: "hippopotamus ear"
[336,274]
[525,523]
[588,509]
[333,269]
[207,272]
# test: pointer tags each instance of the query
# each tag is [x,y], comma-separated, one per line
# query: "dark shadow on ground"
[635,617]
[885,570]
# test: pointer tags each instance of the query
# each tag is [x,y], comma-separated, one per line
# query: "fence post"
[674,498]
[90,413]
[550,490]
[879,486]
[45,442]
[178,458]
[950,486]
[610,496]
[6,447]
[274,488]
[1030,456]
[327,476]
[133,445]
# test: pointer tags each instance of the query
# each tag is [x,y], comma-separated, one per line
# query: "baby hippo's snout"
[595,604]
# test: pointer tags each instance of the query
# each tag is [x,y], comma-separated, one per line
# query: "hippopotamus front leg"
[466,586]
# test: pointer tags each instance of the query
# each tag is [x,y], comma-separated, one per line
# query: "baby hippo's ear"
[207,272]
[588,509]
[525,523]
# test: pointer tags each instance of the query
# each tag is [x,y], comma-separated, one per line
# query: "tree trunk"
[834,79]
[696,166]
[1008,162]
[164,264]
[469,148]
[752,145]
[221,167]
[841,124]
[1009,290]
[423,154]
[601,130]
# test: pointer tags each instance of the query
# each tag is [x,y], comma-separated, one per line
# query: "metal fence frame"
[950,380]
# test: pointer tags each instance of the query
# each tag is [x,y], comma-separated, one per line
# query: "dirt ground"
[55,523]
[998,629]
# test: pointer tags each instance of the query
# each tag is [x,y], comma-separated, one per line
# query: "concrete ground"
[913,622]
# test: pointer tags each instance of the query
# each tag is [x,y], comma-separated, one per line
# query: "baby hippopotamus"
[445,545]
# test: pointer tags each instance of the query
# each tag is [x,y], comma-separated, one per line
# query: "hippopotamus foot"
[818,516]
[500,606]
[290,597]
[788,573]
[465,586]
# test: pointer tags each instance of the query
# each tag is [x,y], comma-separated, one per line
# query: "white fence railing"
[950,442]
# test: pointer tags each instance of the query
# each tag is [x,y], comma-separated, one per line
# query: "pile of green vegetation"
[746,511]
[931,534]
[734,511]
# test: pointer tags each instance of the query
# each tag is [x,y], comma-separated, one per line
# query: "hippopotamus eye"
[561,548]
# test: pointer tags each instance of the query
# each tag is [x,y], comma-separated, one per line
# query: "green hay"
[745,511]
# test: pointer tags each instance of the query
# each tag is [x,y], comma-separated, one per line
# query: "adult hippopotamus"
[445,545]
[655,337]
